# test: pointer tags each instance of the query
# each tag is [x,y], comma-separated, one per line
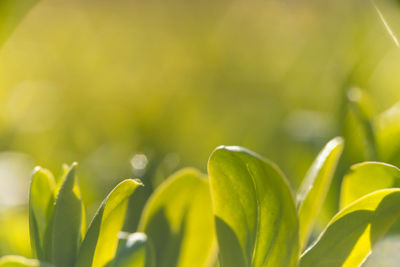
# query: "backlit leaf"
[41,196]
[179,223]
[367,177]
[18,261]
[255,213]
[315,186]
[349,237]
[100,243]
[65,234]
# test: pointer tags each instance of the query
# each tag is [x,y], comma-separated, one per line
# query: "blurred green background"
[142,88]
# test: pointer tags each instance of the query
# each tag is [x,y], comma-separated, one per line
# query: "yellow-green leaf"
[363,109]
[178,221]
[18,261]
[64,171]
[100,243]
[387,125]
[367,177]
[40,198]
[350,235]
[255,212]
[64,234]
[315,186]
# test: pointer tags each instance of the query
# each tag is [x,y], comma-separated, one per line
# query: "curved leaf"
[315,186]
[349,237]
[40,198]
[255,213]
[135,251]
[64,234]
[100,243]
[367,177]
[18,261]
[178,221]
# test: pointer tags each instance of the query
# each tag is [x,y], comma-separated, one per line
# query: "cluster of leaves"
[179,212]
[57,223]
[245,214]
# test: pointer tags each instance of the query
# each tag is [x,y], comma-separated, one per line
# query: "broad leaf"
[64,234]
[100,243]
[178,221]
[315,186]
[255,213]
[41,196]
[349,237]
[367,177]
[134,251]
[11,13]
[18,261]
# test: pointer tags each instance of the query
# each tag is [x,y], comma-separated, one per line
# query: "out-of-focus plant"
[11,13]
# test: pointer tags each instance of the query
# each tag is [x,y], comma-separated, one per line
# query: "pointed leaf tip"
[315,186]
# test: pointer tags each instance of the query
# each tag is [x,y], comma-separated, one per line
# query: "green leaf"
[178,221]
[64,234]
[64,172]
[11,13]
[18,261]
[100,243]
[349,237]
[134,251]
[367,177]
[363,109]
[315,187]
[40,198]
[255,213]
[387,126]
